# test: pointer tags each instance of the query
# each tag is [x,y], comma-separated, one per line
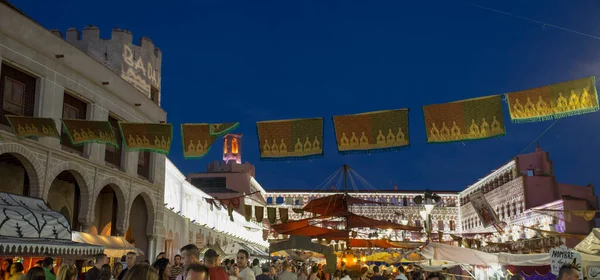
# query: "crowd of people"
[190,265]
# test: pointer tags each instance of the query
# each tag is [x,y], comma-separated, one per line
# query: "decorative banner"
[373,131]
[470,119]
[483,209]
[219,129]
[272,214]
[562,255]
[554,101]
[248,212]
[82,131]
[259,213]
[290,139]
[30,126]
[196,140]
[283,215]
[147,136]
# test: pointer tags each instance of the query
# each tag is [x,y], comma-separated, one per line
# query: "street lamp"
[428,200]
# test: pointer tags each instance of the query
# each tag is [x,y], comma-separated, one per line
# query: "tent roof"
[334,204]
[114,246]
[590,244]
[29,217]
[10,246]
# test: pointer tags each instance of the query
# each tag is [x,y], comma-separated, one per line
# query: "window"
[73,109]
[143,166]
[154,95]
[112,154]
[279,200]
[269,200]
[17,93]
[440,225]
[452,225]
[529,172]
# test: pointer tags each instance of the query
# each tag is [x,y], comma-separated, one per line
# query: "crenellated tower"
[139,65]
[232,148]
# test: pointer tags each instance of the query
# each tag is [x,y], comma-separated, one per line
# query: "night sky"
[248,61]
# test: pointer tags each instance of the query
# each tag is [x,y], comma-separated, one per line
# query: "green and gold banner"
[373,131]
[82,131]
[147,137]
[196,140]
[31,126]
[470,119]
[219,129]
[290,139]
[554,101]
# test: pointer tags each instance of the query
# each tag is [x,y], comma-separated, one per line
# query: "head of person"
[242,258]
[161,255]
[255,262]
[265,269]
[364,270]
[211,258]
[130,259]
[401,269]
[16,268]
[67,272]
[48,263]
[101,259]
[39,263]
[190,254]
[6,264]
[314,269]
[162,265]
[141,271]
[273,270]
[568,272]
[117,268]
[435,276]
[105,271]
[196,271]
[177,259]
[36,273]
[286,266]
[375,269]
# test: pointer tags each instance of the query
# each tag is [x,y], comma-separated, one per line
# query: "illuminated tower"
[232,148]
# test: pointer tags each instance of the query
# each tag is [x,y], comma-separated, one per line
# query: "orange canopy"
[335,204]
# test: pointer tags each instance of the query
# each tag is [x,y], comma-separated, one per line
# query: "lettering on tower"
[137,72]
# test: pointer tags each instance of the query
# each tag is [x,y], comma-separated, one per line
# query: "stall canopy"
[443,252]
[114,246]
[28,227]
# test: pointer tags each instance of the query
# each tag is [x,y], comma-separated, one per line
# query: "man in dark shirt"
[130,261]
[265,274]
[94,272]
[376,274]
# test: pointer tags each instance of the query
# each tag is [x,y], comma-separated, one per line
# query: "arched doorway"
[64,196]
[138,223]
[15,178]
[105,211]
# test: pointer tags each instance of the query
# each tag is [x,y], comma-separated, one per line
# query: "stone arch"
[85,189]
[33,166]
[305,243]
[150,205]
[115,184]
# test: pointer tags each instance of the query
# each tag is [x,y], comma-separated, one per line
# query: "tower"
[232,148]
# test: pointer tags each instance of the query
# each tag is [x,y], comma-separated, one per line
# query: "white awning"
[114,246]
[12,246]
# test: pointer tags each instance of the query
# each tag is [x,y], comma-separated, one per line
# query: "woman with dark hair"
[16,271]
[5,269]
[164,271]
[36,273]
[105,272]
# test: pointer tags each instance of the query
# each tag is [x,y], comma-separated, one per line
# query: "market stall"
[31,231]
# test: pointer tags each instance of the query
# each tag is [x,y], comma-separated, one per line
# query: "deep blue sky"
[247,61]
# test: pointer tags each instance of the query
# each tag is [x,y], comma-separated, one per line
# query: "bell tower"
[232,148]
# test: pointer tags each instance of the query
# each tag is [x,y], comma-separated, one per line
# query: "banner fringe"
[373,151]
[311,157]
[466,140]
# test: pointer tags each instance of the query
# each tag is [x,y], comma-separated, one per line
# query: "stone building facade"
[98,188]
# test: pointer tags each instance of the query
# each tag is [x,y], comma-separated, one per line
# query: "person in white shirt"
[246,272]
[256,267]
[401,275]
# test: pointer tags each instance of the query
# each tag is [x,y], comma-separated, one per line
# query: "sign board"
[563,255]
[593,272]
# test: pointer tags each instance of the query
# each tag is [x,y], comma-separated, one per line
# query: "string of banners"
[299,139]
